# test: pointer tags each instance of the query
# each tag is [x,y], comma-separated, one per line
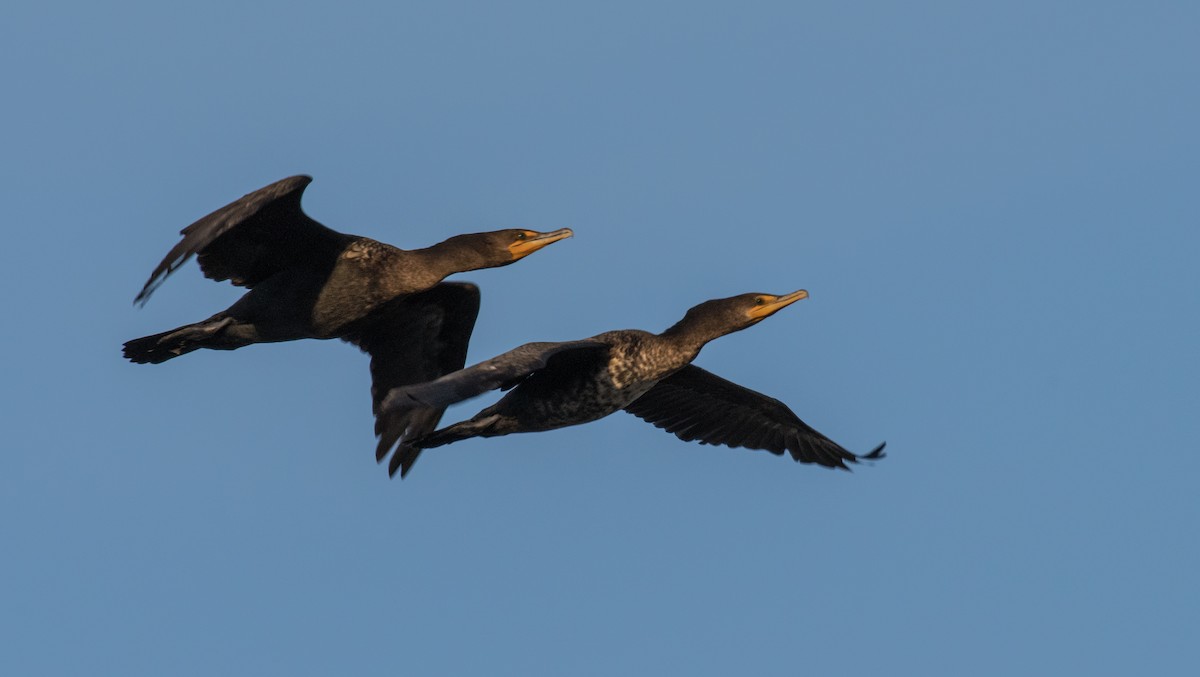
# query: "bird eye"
[758,301]
[521,236]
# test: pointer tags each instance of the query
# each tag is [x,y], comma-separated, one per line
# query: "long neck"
[449,257]
[692,332]
[406,271]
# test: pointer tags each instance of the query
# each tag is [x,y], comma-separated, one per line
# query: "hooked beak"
[775,303]
[523,248]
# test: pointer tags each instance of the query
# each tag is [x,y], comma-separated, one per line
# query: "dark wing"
[501,372]
[252,238]
[697,405]
[413,339]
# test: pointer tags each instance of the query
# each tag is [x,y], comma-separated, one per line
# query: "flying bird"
[554,385]
[307,281]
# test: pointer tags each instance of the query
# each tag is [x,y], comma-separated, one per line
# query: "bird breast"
[639,362]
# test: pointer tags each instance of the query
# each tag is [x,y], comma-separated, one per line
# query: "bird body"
[586,385]
[365,276]
[306,280]
[554,385]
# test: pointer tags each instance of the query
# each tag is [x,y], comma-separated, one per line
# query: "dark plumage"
[554,385]
[309,281]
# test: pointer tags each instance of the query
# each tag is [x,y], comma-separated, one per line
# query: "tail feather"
[157,348]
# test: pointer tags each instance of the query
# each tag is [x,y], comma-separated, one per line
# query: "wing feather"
[414,339]
[252,238]
[501,372]
[696,405]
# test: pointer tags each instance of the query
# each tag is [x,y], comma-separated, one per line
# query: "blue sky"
[993,208]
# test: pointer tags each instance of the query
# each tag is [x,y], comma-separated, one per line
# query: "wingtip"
[381,452]
[397,464]
[405,458]
[876,453]
[144,295]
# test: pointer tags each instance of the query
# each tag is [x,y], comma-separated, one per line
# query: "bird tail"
[158,348]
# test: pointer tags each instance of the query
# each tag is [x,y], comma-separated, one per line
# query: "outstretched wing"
[694,404]
[252,238]
[414,339]
[503,371]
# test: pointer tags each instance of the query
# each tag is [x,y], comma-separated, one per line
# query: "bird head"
[502,247]
[725,316]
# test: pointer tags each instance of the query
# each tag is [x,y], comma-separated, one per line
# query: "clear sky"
[994,208]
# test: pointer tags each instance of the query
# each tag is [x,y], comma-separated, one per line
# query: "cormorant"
[555,385]
[309,281]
